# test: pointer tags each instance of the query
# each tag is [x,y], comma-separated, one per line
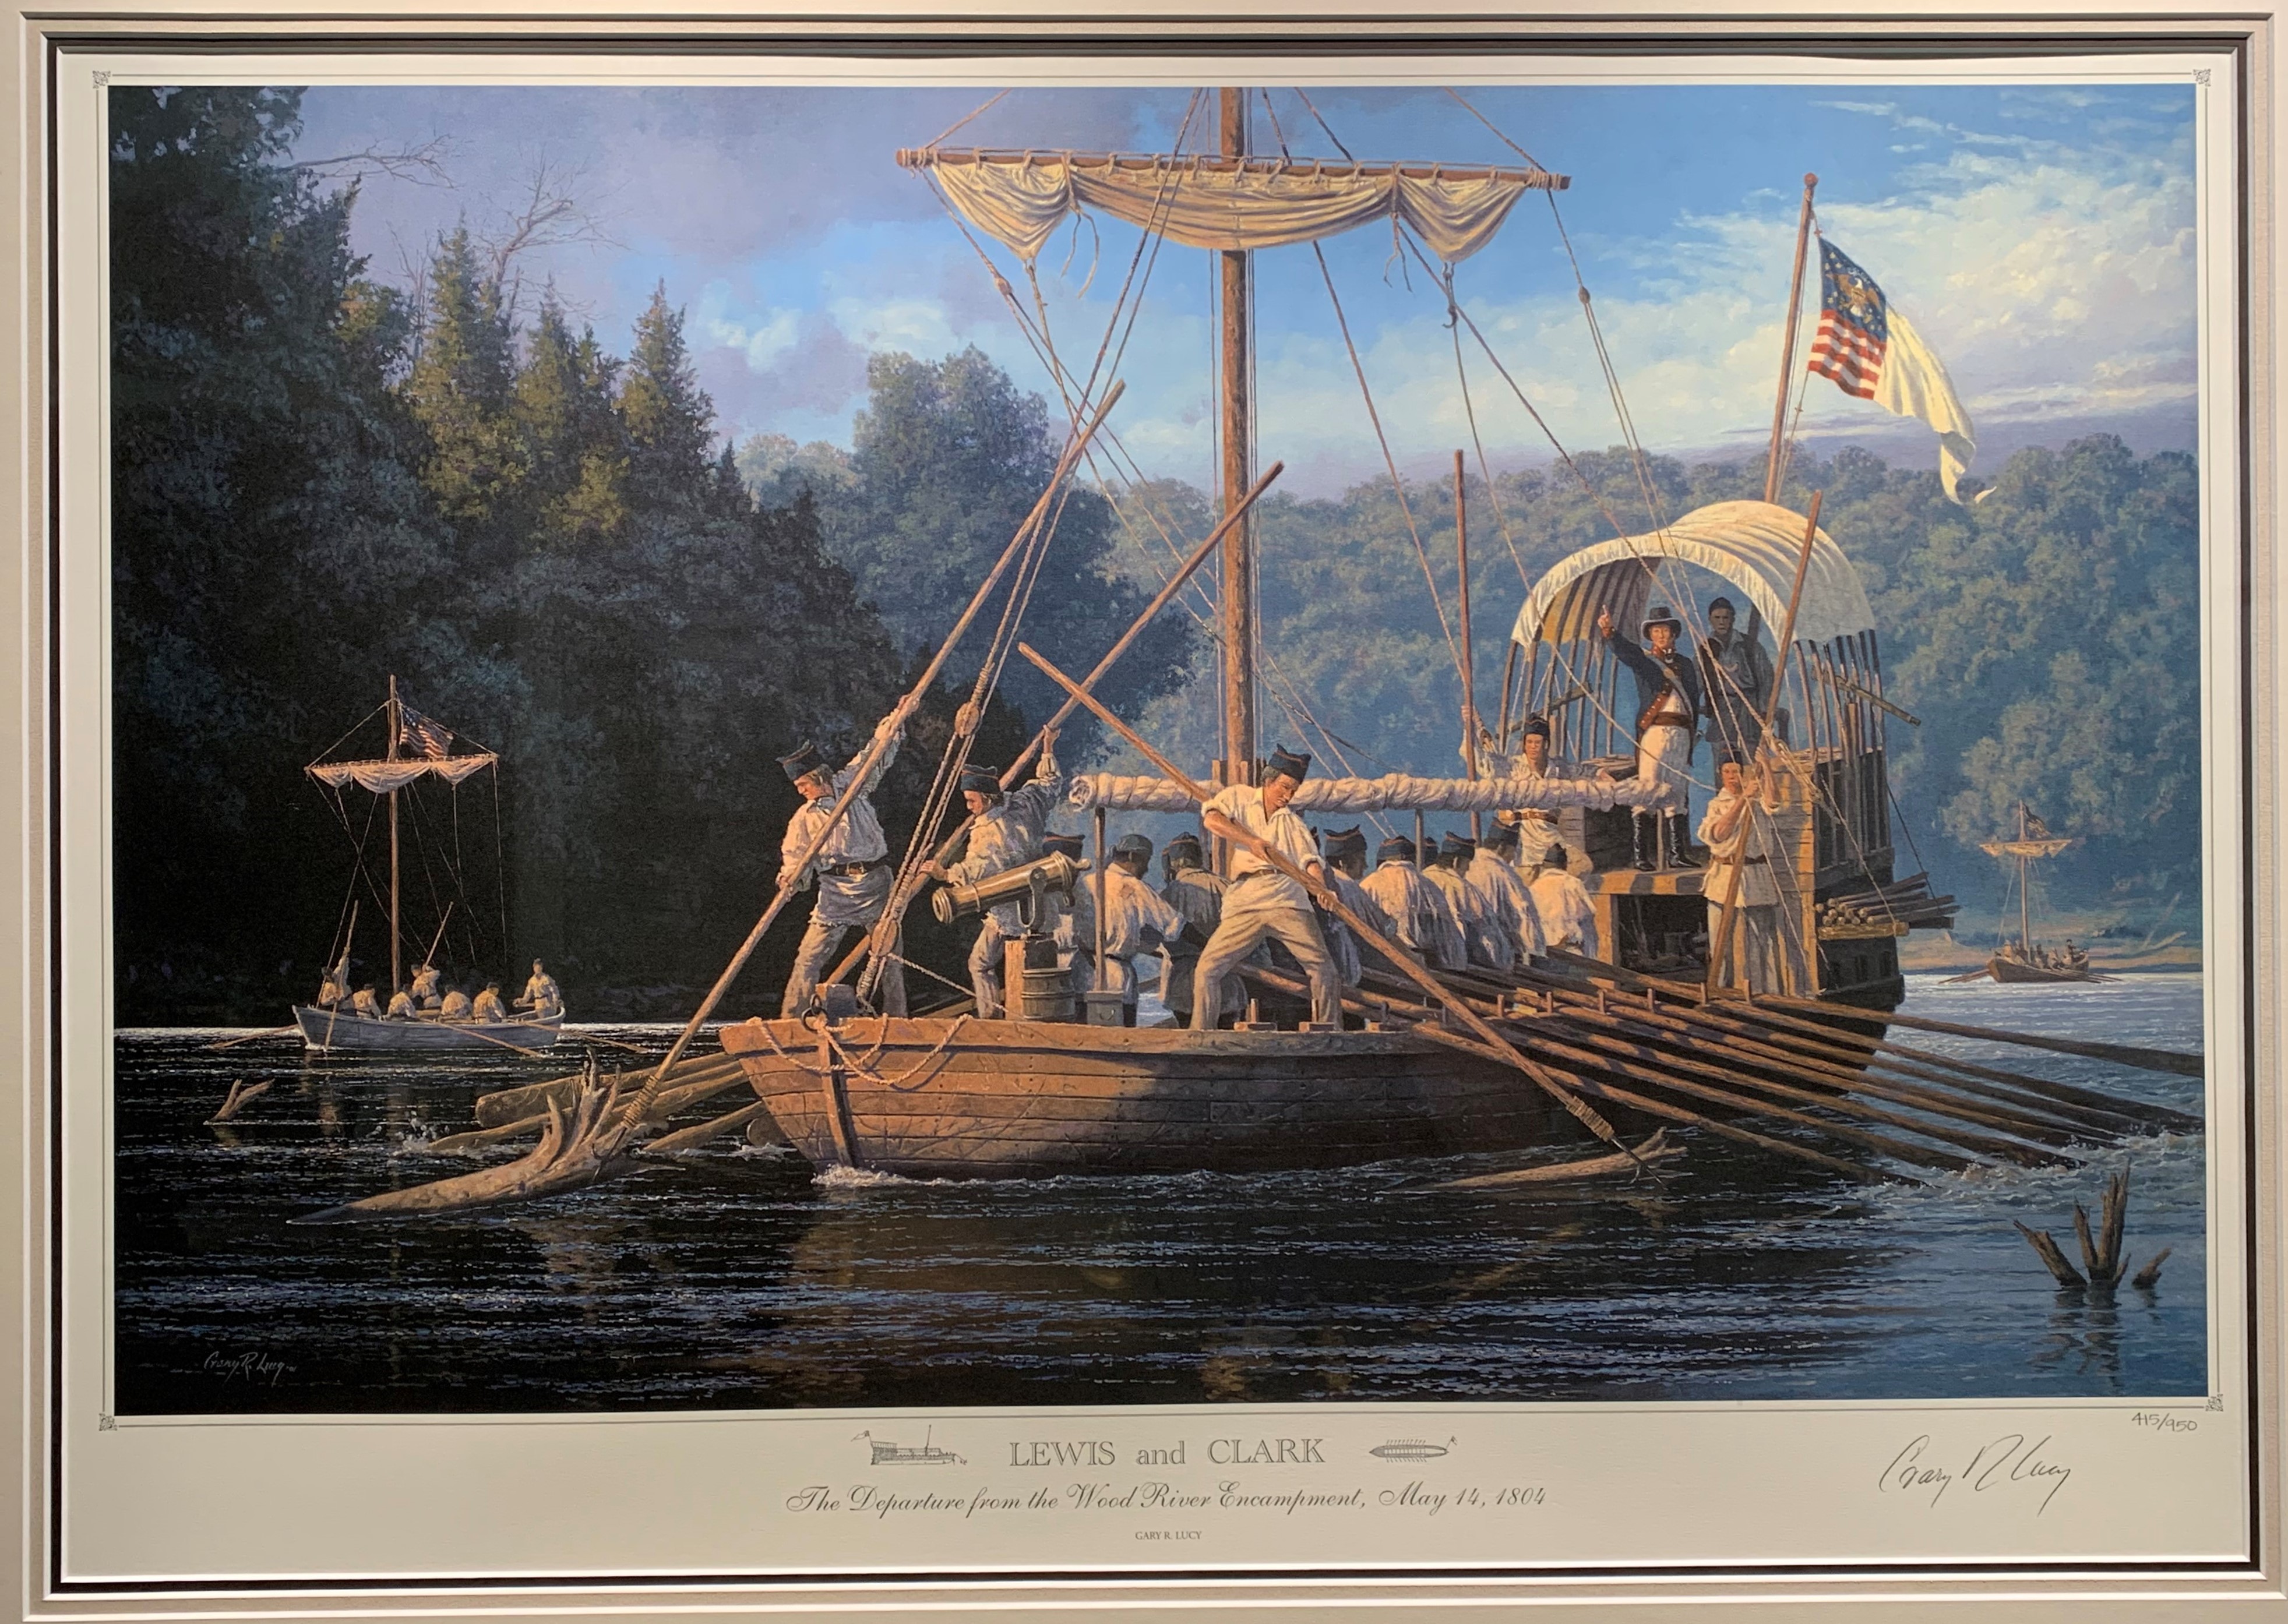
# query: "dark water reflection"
[733,1279]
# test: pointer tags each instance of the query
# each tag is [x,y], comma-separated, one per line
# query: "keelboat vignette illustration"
[1649,905]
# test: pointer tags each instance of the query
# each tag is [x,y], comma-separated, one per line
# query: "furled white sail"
[1394,792]
[1021,198]
[381,777]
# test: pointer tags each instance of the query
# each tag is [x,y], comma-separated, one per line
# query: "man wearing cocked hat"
[1005,830]
[852,869]
[1263,902]
[1669,708]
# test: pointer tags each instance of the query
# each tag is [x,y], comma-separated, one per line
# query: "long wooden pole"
[396,953]
[947,847]
[1332,901]
[636,1107]
[1236,428]
[1720,943]
[1469,656]
[1787,349]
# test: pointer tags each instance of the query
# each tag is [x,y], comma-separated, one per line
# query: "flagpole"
[1787,349]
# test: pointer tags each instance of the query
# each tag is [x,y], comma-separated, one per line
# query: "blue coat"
[1655,672]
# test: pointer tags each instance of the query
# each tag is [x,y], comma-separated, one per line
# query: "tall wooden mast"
[396,956]
[1237,436]
[1787,345]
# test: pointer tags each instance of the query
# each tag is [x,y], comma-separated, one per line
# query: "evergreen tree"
[460,389]
[668,417]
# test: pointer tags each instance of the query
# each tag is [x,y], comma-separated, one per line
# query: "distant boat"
[418,747]
[2024,961]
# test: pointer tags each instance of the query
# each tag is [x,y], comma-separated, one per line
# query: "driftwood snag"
[2100,1251]
[241,1095]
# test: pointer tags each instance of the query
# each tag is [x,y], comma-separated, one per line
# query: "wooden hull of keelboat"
[339,1032]
[965,1099]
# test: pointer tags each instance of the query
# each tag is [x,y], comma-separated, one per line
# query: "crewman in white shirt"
[1263,902]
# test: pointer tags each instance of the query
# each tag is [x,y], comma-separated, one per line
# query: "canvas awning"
[1022,197]
[381,777]
[1753,546]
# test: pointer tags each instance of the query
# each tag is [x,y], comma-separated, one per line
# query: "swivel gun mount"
[1028,885]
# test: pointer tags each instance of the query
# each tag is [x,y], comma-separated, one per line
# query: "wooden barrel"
[1048,995]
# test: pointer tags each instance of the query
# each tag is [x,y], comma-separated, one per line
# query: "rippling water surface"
[732,1277]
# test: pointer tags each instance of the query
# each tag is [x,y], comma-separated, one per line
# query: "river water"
[733,1278]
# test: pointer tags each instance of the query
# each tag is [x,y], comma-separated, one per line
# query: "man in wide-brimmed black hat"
[1669,708]
[852,870]
[1005,830]
[1263,902]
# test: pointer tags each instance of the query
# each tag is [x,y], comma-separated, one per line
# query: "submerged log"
[581,1148]
[2101,1252]
[241,1093]
[1651,1152]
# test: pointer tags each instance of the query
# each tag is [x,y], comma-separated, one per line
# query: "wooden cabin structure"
[1828,740]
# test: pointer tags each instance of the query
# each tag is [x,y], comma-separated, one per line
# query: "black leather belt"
[851,871]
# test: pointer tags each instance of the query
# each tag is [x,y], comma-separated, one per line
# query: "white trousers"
[1756,933]
[1665,757]
[820,943]
[1253,910]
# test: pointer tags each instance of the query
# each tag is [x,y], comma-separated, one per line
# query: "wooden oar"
[252,1037]
[1420,1024]
[1327,898]
[2173,1061]
[684,1138]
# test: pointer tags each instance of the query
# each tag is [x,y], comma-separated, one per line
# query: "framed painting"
[1315,811]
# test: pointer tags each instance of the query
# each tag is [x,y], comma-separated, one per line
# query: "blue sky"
[2040,238]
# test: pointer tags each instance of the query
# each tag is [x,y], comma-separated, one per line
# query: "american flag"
[1854,325]
[422,735]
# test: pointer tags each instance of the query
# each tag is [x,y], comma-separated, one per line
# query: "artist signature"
[248,1367]
[2012,1459]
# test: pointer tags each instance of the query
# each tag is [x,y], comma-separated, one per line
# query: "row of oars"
[1667,1051]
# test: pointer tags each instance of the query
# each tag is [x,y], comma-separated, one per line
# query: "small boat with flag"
[2023,960]
[416,1015]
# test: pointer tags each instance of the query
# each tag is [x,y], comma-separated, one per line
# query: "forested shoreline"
[320,480]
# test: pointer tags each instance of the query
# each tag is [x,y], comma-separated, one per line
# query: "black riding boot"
[1678,827]
[1643,835]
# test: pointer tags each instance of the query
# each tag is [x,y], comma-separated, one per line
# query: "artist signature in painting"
[2010,1462]
[252,1369]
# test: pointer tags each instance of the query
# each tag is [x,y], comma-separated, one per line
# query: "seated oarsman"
[1263,904]
[366,1004]
[1004,831]
[1484,939]
[1195,893]
[424,985]
[489,1006]
[1136,919]
[456,1005]
[1568,919]
[1346,854]
[1494,872]
[852,868]
[541,994]
[400,1005]
[1420,922]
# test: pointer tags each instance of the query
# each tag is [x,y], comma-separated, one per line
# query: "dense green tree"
[948,459]
[271,548]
